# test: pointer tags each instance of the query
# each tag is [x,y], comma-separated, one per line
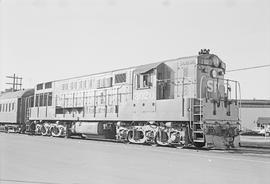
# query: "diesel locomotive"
[178,102]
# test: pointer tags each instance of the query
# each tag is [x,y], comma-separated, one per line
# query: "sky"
[44,40]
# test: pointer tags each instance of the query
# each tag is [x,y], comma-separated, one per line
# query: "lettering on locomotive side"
[212,86]
[215,87]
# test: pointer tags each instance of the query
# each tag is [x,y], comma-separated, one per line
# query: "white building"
[254,113]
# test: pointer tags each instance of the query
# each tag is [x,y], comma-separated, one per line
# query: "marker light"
[213,73]
[220,73]
[215,61]
[223,66]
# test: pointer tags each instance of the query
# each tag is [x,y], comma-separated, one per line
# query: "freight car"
[183,101]
[14,109]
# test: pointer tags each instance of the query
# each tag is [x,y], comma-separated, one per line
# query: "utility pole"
[17,82]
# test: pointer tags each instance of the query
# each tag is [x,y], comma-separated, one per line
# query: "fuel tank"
[94,128]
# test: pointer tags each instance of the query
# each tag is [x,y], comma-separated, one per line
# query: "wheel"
[55,131]
[130,136]
[43,131]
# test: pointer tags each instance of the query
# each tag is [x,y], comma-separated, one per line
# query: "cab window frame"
[144,81]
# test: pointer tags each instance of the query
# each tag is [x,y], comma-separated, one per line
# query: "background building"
[254,113]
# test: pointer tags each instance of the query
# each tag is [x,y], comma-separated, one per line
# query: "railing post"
[201,95]
[83,103]
[236,90]
[105,103]
[94,103]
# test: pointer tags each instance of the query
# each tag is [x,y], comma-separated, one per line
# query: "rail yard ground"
[48,160]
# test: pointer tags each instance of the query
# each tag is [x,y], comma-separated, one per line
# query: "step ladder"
[198,134]
[27,113]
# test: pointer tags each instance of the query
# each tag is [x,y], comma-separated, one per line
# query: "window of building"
[0,107]
[39,86]
[48,85]
[13,105]
[9,107]
[120,78]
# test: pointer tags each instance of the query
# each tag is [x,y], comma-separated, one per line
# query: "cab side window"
[144,81]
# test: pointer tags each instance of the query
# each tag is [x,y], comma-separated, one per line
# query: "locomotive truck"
[178,102]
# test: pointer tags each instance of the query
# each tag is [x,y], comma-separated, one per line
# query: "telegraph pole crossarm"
[17,82]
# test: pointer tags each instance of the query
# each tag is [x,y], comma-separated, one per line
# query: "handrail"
[239,102]
[203,77]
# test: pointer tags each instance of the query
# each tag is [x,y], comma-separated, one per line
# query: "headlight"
[213,73]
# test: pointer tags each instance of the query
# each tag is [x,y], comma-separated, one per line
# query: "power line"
[240,69]
[17,82]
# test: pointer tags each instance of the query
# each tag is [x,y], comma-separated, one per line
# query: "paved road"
[47,160]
